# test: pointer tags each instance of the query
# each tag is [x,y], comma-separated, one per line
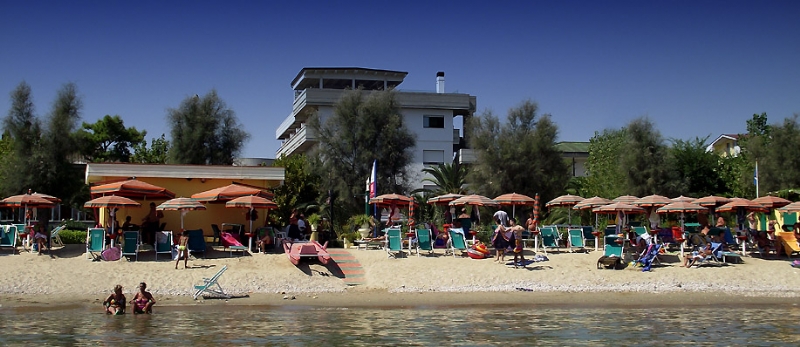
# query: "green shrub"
[73,236]
[75,225]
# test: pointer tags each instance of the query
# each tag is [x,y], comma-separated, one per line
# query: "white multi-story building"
[428,115]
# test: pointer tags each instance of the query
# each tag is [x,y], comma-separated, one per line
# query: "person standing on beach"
[115,303]
[500,240]
[183,250]
[519,258]
[143,301]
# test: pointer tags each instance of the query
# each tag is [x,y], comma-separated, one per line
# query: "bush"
[73,236]
[75,225]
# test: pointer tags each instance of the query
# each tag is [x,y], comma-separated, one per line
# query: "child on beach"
[115,303]
[183,251]
[519,258]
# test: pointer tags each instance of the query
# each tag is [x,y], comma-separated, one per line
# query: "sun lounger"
[163,243]
[9,238]
[231,243]
[131,242]
[95,241]
[788,242]
[575,239]
[457,240]
[588,236]
[649,256]
[549,238]
[197,242]
[211,285]
[424,240]
[712,259]
[394,242]
[55,237]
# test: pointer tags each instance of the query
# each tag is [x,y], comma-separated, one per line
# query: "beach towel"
[111,254]
[503,217]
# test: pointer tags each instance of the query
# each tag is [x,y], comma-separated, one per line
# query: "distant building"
[576,154]
[427,114]
[725,145]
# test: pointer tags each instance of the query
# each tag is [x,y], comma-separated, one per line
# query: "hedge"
[73,236]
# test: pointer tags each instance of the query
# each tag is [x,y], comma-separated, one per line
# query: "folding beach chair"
[197,242]
[163,243]
[588,236]
[394,242]
[424,240]
[211,285]
[549,238]
[55,237]
[612,253]
[9,237]
[648,257]
[95,241]
[457,240]
[712,259]
[131,244]
[575,239]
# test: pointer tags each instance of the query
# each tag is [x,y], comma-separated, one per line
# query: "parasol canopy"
[251,202]
[230,192]
[474,200]
[682,207]
[652,201]
[111,201]
[391,199]
[592,203]
[181,204]
[618,207]
[712,200]
[793,207]
[443,199]
[28,200]
[683,199]
[132,188]
[626,199]
[564,200]
[514,199]
[770,201]
[740,203]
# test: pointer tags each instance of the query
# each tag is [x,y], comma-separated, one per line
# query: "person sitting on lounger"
[115,303]
[703,243]
[40,236]
[143,301]
[797,232]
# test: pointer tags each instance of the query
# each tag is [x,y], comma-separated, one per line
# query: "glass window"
[433,122]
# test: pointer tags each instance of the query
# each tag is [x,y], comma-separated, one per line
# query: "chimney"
[440,82]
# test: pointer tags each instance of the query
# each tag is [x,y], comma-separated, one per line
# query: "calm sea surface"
[305,326]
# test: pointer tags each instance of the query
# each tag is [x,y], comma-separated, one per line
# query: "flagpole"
[755,178]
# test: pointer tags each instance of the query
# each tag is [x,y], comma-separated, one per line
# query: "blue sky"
[696,68]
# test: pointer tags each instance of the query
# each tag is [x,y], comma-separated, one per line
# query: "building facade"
[431,116]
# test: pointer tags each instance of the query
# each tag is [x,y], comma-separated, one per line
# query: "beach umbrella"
[443,199]
[28,201]
[181,204]
[738,203]
[536,210]
[230,192]
[682,207]
[770,201]
[626,199]
[712,201]
[514,199]
[474,200]
[790,208]
[683,199]
[132,188]
[565,200]
[618,207]
[652,201]
[391,199]
[251,202]
[592,203]
[111,202]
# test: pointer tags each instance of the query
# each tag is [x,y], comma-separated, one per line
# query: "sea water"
[428,326]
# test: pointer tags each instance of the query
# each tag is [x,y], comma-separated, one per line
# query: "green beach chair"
[549,238]
[394,242]
[163,243]
[211,285]
[9,237]
[612,253]
[131,243]
[55,237]
[575,239]
[458,241]
[788,221]
[197,241]
[424,240]
[95,241]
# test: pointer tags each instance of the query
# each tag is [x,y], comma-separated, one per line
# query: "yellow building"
[185,180]
[725,145]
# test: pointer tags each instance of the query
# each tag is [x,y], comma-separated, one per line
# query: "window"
[433,122]
[432,157]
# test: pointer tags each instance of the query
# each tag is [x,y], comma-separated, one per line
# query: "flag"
[373,180]
[755,176]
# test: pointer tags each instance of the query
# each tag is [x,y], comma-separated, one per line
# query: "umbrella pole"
[250,239]
[597,237]
[683,232]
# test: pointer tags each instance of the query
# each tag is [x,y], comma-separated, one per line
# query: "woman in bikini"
[115,303]
[143,301]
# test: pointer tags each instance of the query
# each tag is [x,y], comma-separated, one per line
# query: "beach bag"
[111,254]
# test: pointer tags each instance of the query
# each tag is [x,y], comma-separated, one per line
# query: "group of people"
[508,236]
[142,301]
[151,223]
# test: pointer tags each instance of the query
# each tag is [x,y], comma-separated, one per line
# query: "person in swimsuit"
[183,251]
[519,258]
[500,241]
[40,236]
[143,301]
[115,303]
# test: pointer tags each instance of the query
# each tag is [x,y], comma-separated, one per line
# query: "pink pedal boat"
[306,249]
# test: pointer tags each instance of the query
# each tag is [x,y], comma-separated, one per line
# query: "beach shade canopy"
[474,200]
[28,200]
[617,208]
[793,207]
[443,199]
[592,203]
[682,207]
[564,200]
[230,192]
[251,202]
[132,188]
[181,204]
[391,199]
[514,199]
[770,201]
[626,199]
[739,203]
[652,201]
[683,199]
[111,201]
[712,200]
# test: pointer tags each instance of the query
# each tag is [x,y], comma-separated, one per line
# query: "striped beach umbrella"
[443,199]
[626,199]
[592,203]
[111,202]
[683,199]
[536,210]
[738,203]
[132,188]
[793,207]
[181,204]
[514,199]
[474,200]
[712,200]
[770,201]
[230,192]
[565,200]
[652,201]
[251,202]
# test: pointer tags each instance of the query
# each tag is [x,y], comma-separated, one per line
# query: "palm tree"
[448,178]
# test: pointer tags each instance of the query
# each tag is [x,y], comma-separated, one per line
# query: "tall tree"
[108,140]
[519,156]
[156,154]
[605,177]
[643,159]
[300,186]
[23,133]
[693,170]
[364,127]
[448,178]
[780,156]
[205,131]
[57,175]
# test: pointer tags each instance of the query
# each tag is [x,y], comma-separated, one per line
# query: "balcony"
[467,156]
[298,142]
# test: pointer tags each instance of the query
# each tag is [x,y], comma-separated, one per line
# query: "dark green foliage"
[520,156]
[57,175]
[22,135]
[644,159]
[156,154]
[72,237]
[365,126]
[693,170]
[300,186]
[777,166]
[448,178]
[605,177]
[205,132]
[107,140]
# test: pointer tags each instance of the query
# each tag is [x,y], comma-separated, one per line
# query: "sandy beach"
[67,277]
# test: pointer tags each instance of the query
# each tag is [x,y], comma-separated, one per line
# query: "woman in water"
[115,303]
[143,301]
